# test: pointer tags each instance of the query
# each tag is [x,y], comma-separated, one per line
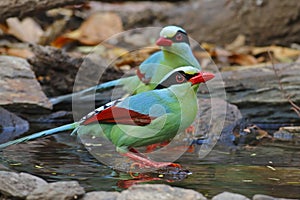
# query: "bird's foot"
[145,163]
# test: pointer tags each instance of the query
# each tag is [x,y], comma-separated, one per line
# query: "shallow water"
[272,168]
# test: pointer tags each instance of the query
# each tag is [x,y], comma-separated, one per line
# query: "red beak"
[163,42]
[202,77]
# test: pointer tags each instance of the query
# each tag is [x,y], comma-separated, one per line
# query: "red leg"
[133,150]
[145,162]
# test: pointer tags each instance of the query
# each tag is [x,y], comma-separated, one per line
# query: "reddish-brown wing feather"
[117,115]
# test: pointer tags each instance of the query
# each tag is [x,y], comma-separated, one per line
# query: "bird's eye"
[179,37]
[179,78]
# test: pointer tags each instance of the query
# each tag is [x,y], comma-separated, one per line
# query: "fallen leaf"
[242,59]
[26,30]
[280,53]
[95,29]
[3,29]
[22,53]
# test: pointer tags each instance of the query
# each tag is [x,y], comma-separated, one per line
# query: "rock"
[11,126]
[64,190]
[19,185]
[266,197]
[218,22]
[229,196]
[61,73]
[229,116]
[263,197]
[256,91]
[19,87]
[291,134]
[159,191]
[101,196]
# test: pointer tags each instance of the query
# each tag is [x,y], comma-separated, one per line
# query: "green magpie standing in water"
[175,52]
[142,119]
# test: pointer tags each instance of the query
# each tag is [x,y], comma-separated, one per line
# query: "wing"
[117,115]
[138,110]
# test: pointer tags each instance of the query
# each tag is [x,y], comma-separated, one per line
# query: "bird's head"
[185,74]
[173,39]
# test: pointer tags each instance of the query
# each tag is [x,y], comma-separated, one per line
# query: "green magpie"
[142,119]
[175,52]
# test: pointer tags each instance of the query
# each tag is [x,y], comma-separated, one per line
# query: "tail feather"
[98,88]
[41,134]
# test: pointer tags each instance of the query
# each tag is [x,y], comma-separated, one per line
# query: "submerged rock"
[19,185]
[19,88]
[11,126]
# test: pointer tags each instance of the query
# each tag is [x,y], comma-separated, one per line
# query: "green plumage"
[176,109]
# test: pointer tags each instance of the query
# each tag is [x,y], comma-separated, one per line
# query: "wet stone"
[159,191]
[19,185]
[11,126]
[64,190]
[101,196]
[266,197]
[19,87]
[229,196]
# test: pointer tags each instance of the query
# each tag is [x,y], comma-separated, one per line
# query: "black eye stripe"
[180,35]
[175,78]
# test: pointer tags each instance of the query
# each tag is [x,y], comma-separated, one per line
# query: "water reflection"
[271,169]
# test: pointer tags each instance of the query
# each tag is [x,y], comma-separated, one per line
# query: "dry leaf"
[95,29]
[242,59]
[22,53]
[27,30]
[280,53]
[3,29]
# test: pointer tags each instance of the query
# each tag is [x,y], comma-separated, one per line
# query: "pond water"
[272,168]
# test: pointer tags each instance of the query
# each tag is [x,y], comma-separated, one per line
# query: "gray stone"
[229,196]
[218,22]
[101,195]
[11,126]
[159,191]
[223,112]
[19,87]
[263,197]
[256,91]
[267,197]
[64,190]
[19,185]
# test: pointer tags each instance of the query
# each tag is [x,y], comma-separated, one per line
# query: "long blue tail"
[41,134]
[98,88]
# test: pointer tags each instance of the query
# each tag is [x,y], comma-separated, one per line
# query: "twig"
[294,107]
